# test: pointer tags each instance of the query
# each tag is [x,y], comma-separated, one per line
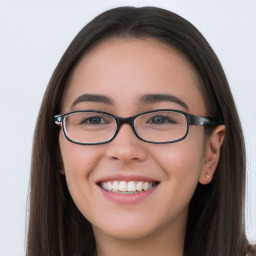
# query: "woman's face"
[125,71]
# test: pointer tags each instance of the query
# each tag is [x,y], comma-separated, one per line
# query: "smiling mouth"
[127,187]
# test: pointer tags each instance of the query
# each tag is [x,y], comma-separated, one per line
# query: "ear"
[212,154]
[62,172]
[60,165]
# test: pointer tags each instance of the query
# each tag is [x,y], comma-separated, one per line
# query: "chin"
[124,232]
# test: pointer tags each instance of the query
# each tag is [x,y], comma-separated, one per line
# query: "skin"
[124,70]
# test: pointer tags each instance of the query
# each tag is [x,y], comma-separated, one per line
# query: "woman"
[142,157]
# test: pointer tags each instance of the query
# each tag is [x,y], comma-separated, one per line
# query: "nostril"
[126,153]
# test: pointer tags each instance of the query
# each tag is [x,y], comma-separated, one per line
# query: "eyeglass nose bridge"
[125,120]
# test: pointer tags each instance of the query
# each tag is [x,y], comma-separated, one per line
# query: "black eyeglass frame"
[191,120]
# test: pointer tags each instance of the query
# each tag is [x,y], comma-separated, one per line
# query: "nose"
[126,147]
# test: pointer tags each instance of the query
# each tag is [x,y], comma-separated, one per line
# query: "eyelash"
[164,117]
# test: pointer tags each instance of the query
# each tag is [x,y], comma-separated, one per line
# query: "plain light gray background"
[33,37]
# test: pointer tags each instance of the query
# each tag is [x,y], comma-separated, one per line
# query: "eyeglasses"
[89,127]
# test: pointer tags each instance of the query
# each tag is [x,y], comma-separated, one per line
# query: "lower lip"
[128,198]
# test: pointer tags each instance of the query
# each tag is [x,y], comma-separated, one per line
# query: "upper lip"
[127,177]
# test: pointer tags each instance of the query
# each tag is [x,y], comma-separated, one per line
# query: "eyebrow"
[93,98]
[155,98]
[145,99]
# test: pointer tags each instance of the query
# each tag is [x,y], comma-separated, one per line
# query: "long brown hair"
[216,218]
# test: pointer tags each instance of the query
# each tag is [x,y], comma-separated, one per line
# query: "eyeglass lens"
[94,127]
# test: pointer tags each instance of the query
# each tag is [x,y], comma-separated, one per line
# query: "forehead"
[122,67]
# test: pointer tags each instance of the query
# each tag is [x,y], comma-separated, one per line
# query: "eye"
[94,120]
[160,119]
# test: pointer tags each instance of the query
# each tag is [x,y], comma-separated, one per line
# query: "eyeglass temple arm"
[203,121]
[58,119]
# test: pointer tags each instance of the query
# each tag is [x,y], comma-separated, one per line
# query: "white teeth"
[115,186]
[145,186]
[127,187]
[131,187]
[122,186]
[109,186]
[104,185]
[139,186]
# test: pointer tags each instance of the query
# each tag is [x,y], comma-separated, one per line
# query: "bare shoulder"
[252,250]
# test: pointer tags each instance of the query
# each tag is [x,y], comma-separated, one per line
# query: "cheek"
[78,162]
[76,157]
[182,161]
